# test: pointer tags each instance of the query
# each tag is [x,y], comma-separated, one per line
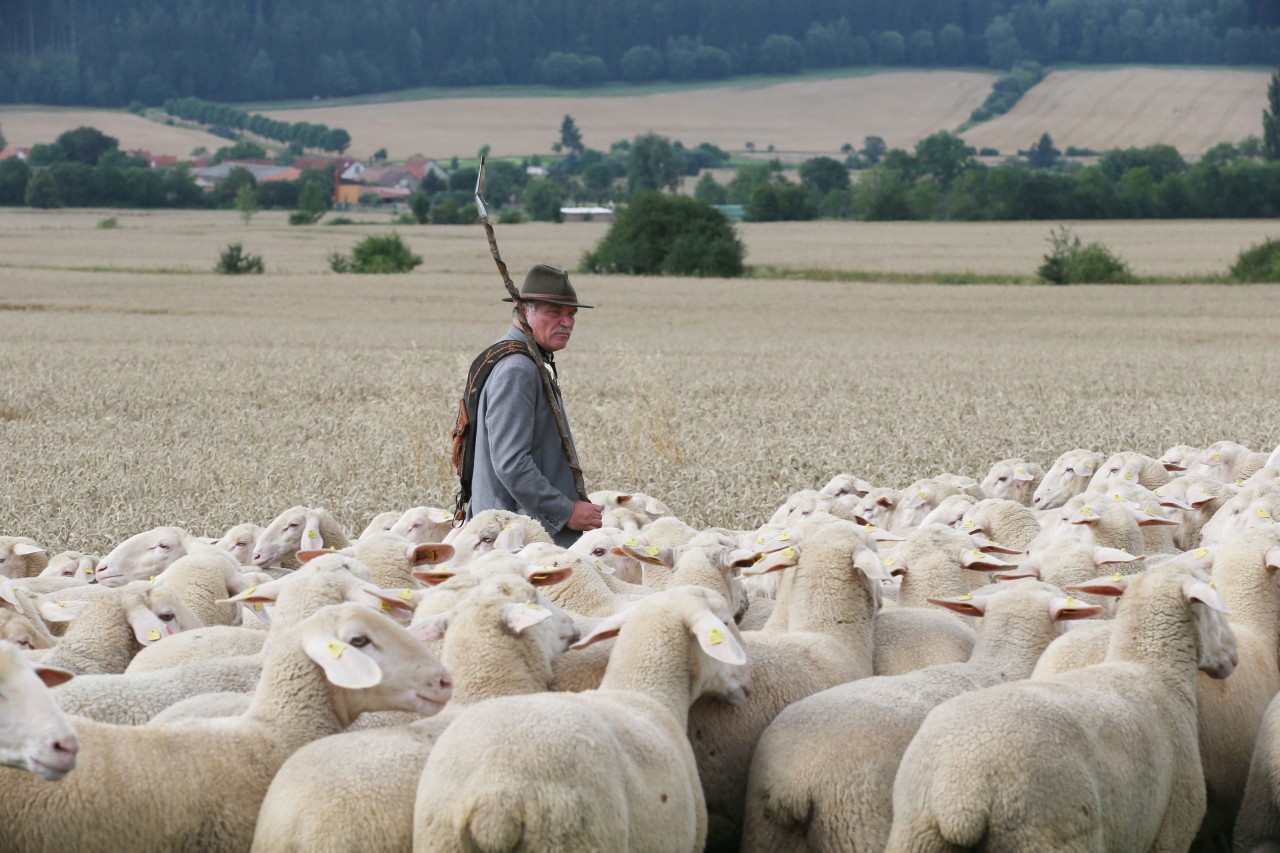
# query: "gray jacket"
[519,462]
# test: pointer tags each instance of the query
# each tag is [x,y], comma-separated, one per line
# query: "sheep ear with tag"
[965,605]
[605,628]
[715,638]
[519,617]
[311,538]
[343,664]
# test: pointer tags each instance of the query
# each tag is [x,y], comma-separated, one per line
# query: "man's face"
[551,324]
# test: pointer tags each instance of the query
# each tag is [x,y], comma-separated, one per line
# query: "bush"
[660,234]
[377,253]
[507,216]
[341,220]
[1069,262]
[234,261]
[108,223]
[1258,264]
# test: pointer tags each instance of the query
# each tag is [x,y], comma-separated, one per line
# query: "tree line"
[220,117]
[149,51]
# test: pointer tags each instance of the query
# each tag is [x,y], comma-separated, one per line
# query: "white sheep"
[1013,479]
[822,775]
[1103,758]
[1179,457]
[421,524]
[1005,522]
[202,580]
[610,769]
[21,557]
[35,734]
[239,541]
[298,528]
[583,590]
[1227,462]
[1130,467]
[1192,501]
[28,630]
[108,631]
[392,559]
[638,502]
[845,484]
[1255,506]
[598,545]
[129,792]
[950,510]
[500,639]
[144,555]
[1068,476]
[493,530]
[71,564]
[381,523]
[877,506]
[938,562]
[923,496]
[1258,825]
[1066,562]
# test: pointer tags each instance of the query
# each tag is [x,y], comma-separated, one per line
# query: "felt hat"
[547,284]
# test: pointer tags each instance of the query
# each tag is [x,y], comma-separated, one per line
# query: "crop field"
[27,126]
[1190,109]
[138,389]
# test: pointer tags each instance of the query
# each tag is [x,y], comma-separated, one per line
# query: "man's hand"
[586,516]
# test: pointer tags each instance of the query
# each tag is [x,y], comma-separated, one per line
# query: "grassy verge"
[966,277]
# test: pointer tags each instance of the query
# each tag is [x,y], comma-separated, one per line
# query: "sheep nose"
[68,746]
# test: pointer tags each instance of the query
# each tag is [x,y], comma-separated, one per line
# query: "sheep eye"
[417,525]
[599,552]
[167,616]
[360,641]
[1001,479]
[842,493]
[241,544]
[163,546]
[23,642]
[292,525]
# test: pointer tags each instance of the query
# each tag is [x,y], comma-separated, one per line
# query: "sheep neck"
[1158,632]
[643,661]
[295,699]
[835,603]
[1012,642]
[486,664]
[99,641]
[1249,589]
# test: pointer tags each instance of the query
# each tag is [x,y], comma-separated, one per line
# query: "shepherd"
[512,445]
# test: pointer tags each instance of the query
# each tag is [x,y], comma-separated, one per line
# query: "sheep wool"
[21,557]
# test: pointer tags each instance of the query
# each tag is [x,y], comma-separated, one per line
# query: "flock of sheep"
[872,669]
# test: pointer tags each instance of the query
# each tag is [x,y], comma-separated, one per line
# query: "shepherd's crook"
[569,453]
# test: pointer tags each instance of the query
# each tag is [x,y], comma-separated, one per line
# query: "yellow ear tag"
[652,550]
[761,556]
[1086,511]
[889,561]
[153,634]
[1128,475]
[785,537]
[789,554]
[62,604]
[1210,584]
[599,565]
[760,541]
[968,596]
[1262,513]
[1158,493]
[1071,602]
[1148,512]
[386,606]
[508,527]
[870,528]
[632,543]
[1124,550]
[151,579]
[88,570]
[1019,470]
[533,605]
[1238,483]
[1216,458]
[542,576]
[1117,497]
[969,524]
[1117,577]
[921,495]
[257,607]
[1200,553]
[715,636]
[252,587]
[311,534]
[406,594]
[441,568]
[336,649]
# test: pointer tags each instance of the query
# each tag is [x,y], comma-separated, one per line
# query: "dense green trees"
[659,234]
[151,50]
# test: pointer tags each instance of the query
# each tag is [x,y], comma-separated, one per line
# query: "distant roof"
[259,171]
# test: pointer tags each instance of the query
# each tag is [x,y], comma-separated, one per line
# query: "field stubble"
[131,400]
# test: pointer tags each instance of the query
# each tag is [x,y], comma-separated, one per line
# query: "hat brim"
[567,302]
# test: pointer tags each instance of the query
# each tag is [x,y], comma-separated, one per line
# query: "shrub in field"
[108,223]
[1258,264]
[661,234]
[377,253]
[1070,262]
[234,261]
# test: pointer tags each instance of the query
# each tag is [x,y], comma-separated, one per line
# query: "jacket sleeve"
[512,393]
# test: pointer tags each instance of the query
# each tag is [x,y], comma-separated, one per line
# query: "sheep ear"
[430,553]
[257,593]
[343,665]
[1176,503]
[385,599]
[651,554]
[147,627]
[518,617]
[975,559]
[881,535]
[1111,585]
[605,628]
[7,594]
[1272,559]
[433,576]
[432,628]
[965,605]
[546,575]
[1022,474]
[1199,497]
[439,516]
[1148,518]
[511,538]
[715,638]
[1062,609]
[894,566]
[22,549]
[1114,555]
[740,558]
[985,544]
[52,676]
[1083,515]
[652,507]
[884,500]
[56,611]
[1204,593]
[773,561]
[237,583]
[311,538]
[1023,571]
[869,563]
[309,555]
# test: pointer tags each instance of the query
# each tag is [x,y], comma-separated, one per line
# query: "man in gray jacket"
[520,463]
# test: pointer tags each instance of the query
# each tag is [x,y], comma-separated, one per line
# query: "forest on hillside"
[117,52]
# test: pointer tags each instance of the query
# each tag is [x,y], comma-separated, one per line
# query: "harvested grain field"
[25,126]
[167,395]
[1190,109]
[805,117]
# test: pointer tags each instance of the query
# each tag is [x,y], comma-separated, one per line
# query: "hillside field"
[1192,109]
[137,389]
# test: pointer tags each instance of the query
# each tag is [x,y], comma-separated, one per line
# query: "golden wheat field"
[25,126]
[138,390]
